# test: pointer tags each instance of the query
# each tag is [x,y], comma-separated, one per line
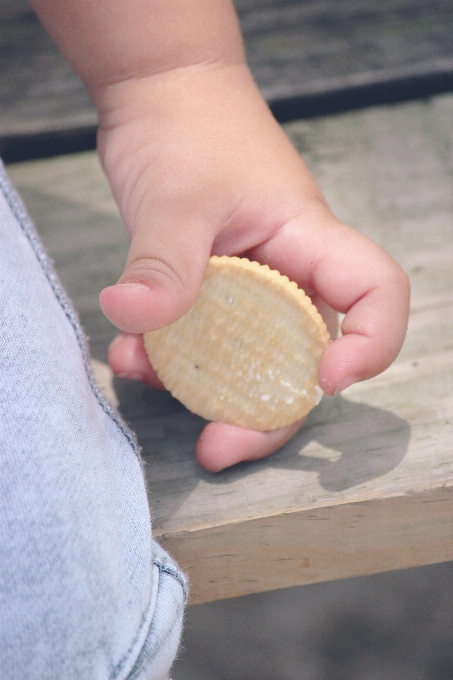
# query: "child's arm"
[198,165]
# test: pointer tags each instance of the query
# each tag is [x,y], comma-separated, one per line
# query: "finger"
[221,445]
[128,359]
[171,241]
[353,276]
[328,314]
[154,290]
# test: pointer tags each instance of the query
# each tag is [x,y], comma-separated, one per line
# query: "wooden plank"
[325,54]
[366,485]
[38,89]
[305,547]
[311,57]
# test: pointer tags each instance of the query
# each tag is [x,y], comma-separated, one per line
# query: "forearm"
[110,41]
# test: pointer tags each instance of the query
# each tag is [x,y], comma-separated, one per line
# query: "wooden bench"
[367,484]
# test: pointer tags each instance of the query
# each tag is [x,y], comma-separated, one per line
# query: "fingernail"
[345,383]
[132,376]
[133,284]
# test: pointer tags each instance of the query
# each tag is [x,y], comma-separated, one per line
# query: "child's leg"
[84,592]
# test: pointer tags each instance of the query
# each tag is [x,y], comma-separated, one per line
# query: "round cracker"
[247,352]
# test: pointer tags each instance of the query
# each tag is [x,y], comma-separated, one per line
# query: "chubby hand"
[199,166]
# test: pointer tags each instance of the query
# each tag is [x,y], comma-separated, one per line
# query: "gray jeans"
[85,594]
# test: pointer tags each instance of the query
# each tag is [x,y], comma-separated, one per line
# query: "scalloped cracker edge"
[247,352]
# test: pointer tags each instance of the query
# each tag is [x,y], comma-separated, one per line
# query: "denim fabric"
[85,594]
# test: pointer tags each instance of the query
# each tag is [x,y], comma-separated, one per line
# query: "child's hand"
[198,166]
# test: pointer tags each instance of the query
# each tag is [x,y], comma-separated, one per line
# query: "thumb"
[161,280]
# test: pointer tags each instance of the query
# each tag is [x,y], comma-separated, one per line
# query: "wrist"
[176,129]
[110,41]
[164,97]
[194,139]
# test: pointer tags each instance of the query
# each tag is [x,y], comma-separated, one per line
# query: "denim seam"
[166,569]
[133,674]
[163,568]
[45,263]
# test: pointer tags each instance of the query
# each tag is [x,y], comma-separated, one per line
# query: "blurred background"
[348,78]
